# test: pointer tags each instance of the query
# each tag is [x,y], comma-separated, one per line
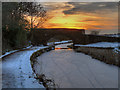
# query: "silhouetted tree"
[35,12]
[13,26]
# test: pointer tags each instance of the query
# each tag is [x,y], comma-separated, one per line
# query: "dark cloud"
[91,7]
[56,5]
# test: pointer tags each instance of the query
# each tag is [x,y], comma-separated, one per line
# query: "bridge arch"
[41,36]
[58,38]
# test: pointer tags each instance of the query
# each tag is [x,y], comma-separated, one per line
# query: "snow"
[70,69]
[28,47]
[61,42]
[10,52]
[113,35]
[116,50]
[114,45]
[50,43]
[17,70]
[101,44]
[66,41]
[76,70]
[110,35]
[13,51]
[63,45]
[7,53]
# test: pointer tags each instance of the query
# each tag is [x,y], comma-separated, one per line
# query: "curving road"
[17,71]
[76,70]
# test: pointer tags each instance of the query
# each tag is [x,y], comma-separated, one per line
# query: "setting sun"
[80,16]
[88,16]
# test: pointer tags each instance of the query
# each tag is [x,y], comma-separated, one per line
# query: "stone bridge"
[78,36]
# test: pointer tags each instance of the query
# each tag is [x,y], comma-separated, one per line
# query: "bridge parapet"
[78,36]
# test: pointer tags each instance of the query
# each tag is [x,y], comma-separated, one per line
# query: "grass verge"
[107,55]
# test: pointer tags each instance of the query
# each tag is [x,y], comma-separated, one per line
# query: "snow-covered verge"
[61,42]
[17,71]
[110,35]
[104,51]
[47,83]
[114,45]
[52,43]
[101,44]
[7,53]
[13,51]
[113,35]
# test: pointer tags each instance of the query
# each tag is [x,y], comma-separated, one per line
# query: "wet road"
[76,70]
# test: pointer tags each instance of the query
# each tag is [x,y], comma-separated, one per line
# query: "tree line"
[18,23]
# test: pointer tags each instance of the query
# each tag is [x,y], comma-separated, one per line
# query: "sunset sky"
[102,16]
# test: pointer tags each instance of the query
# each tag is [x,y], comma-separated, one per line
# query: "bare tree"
[35,12]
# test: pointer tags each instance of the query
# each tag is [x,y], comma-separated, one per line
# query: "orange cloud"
[60,20]
[79,20]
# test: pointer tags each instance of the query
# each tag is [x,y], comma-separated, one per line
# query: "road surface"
[70,69]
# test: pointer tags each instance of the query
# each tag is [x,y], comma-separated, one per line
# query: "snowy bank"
[114,45]
[113,35]
[7,53]
[47,83]
[60,42]
[51,43]
[101,44]
[13,51]
[103,51]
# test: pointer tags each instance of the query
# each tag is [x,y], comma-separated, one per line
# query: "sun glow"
[70,21]
[77,20]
